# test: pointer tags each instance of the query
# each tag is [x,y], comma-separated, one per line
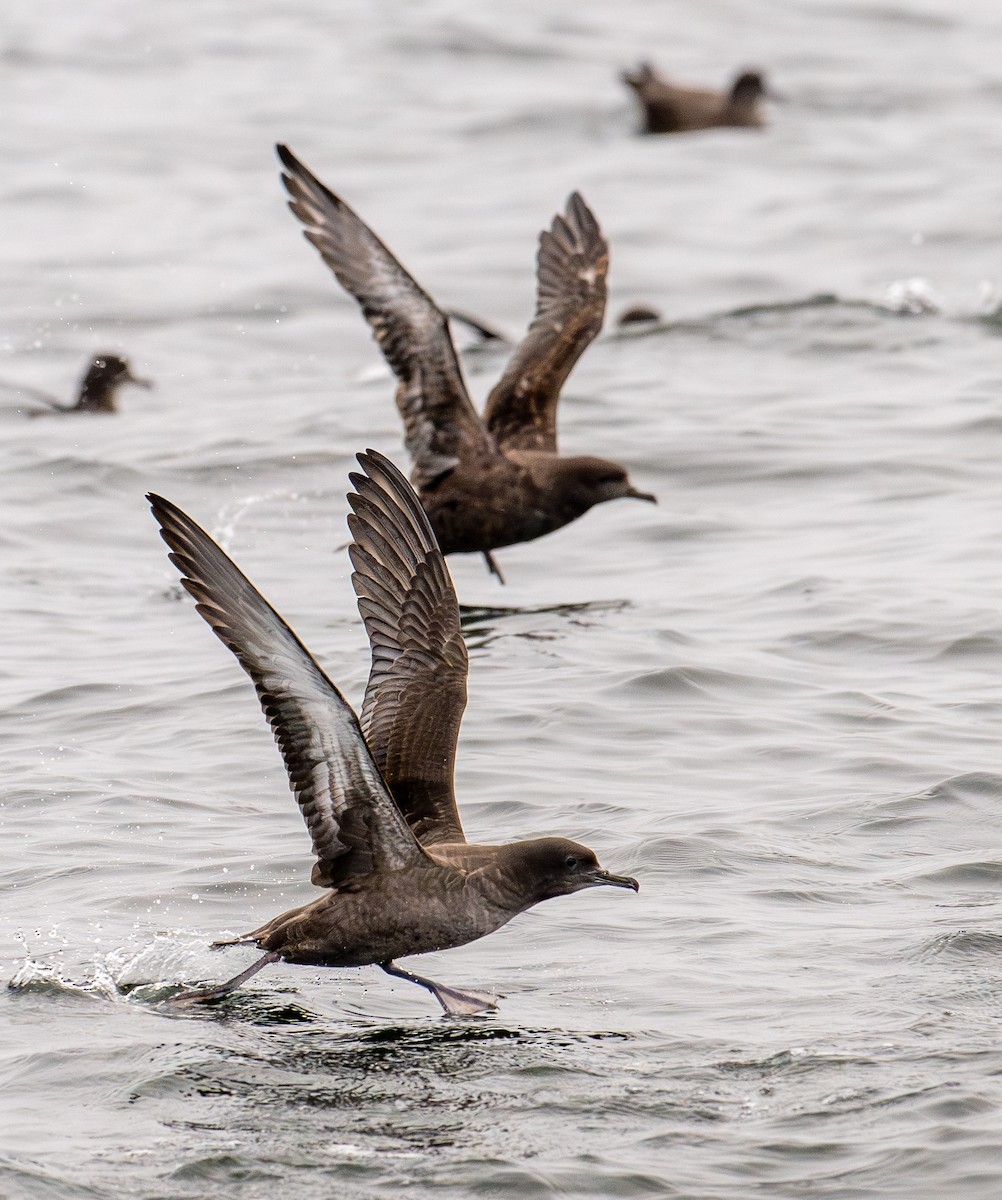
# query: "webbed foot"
[467,1003]
[454,1002]
[211,995]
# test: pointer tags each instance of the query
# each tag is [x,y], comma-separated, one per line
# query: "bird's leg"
[454,1002]
[211,995]
[492,566]
[237,941]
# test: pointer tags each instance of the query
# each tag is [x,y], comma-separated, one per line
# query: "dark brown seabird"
[101,382]
[670,108]
[491,482]
[99,387]
[377,795]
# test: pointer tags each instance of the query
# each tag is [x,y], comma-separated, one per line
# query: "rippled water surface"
[776,698]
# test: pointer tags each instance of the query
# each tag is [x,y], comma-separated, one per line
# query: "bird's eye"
[570,862]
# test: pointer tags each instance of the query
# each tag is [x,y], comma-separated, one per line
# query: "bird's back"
[389,916]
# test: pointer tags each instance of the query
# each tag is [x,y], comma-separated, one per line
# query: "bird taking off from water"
[497,480]
[377,793]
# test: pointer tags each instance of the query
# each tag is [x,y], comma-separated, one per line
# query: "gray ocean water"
[776,698]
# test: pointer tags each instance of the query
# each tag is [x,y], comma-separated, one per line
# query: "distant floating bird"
[491,482]
[101,382]
[638,314]
[98,389]
[377,796]
[669,108]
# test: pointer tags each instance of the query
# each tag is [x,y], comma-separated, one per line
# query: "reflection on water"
[483,624]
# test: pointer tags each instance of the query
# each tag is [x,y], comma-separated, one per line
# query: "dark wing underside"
[441,426]
[354,824]
[416,692]
[570,305]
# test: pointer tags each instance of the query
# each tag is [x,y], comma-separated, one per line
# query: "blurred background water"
[776,698]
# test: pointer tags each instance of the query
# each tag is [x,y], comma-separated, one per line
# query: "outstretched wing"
[570,305]
[441,426]
[354,824]
[416,693]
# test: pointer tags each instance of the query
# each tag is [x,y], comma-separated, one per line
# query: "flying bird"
[376,792]
[492,481]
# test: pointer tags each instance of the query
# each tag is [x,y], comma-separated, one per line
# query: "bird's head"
[748,87]
[589,481]
[549,867]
